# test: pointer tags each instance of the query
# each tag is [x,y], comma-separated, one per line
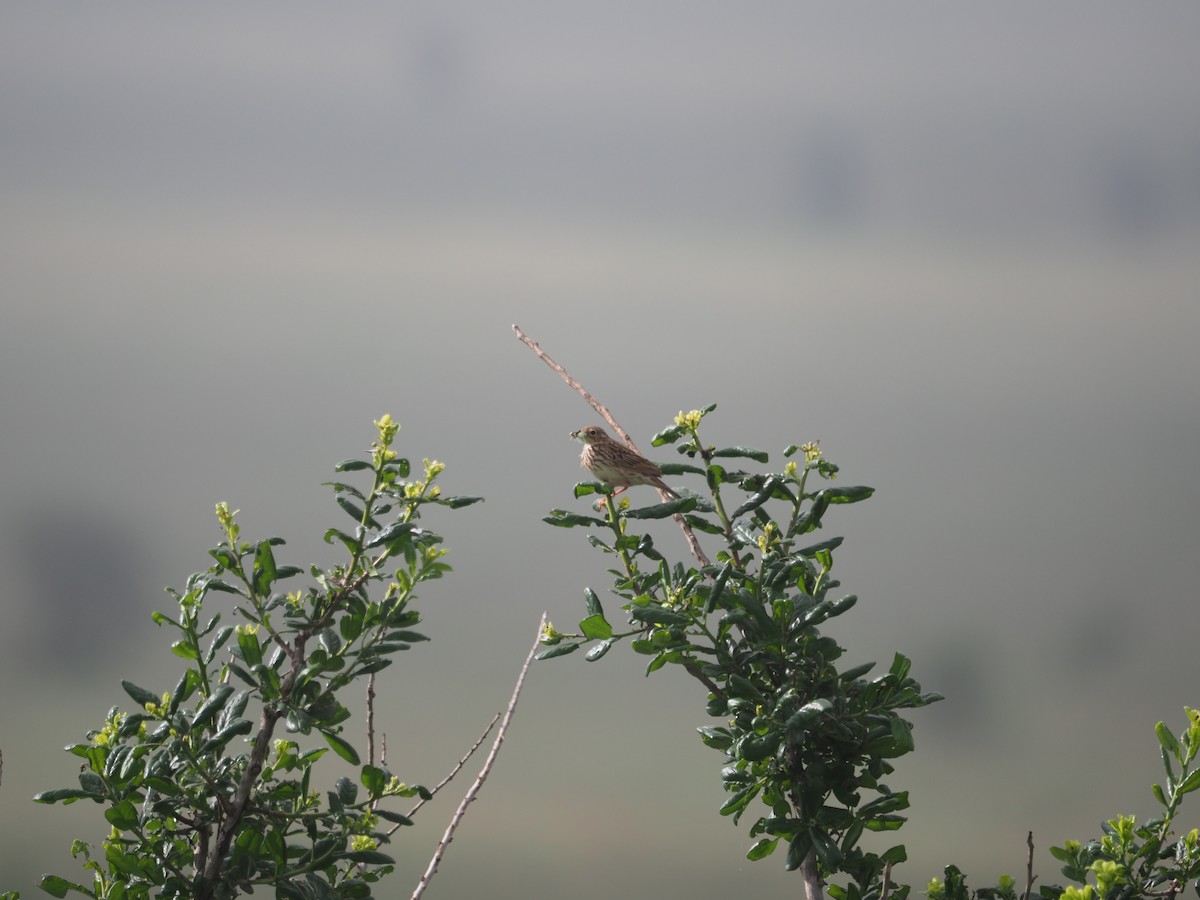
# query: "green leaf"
[761,850]
[185,650]
[264,568]
[1189,784]
[656,615]
[209,708]
[140,695]
[224,557]
[367,857]
[1167,739]
[662,510]
[593,602]
[847,494]
[701,524]
[560,518]
[458,502]
[822,547]
[749,452]
[66,796]
[596,628]
[798,848]
[355,512]
[885,823]
[374,780]
[351,544]
[123,815]
[392,533]
[352,465]
[558,650]
[395,817]
[668,435]
[678,468]
[758,499]
[341,748]
[583,488]
[58,887]
[598,650]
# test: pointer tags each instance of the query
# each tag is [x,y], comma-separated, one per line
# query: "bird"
[611,461]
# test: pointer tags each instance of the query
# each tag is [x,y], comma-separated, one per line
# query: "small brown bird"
[611,461]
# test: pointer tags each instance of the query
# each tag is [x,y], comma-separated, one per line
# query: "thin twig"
[371,719]
[457,768]
[599,407]
[473,791]
[887,881]
[1029,876]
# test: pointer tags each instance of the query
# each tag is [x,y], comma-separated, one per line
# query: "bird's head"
[590,434]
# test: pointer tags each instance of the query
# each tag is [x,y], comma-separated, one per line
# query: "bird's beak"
[574,435]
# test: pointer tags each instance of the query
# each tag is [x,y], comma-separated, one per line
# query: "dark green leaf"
[66,796]
[395,817]
[847,494]
[798,849]
[392,533]
[678,468]
[558,650]
[656,615]
[701,524]
[140,695]
[593,602]
[758,499]
[824,546]
[562,519]
[355,512]
[367,857]
[596,652]
[350,543]
[662,510]
[352,465]
[458,502]
[749,452]
[668,435]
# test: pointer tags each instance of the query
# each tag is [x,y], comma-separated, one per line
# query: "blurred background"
[955,243]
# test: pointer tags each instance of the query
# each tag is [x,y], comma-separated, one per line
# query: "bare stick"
[1029,876]
[483,772]
[457,768]
[887,881]
[371,719]
[813,886]
[599,407]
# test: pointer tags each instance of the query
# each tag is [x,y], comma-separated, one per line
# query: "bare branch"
[689,535]
[1029,876]
[457,768]
[371,719]
[887,881]
[813,885]
[473,791]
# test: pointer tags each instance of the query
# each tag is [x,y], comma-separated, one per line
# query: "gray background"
[955,243]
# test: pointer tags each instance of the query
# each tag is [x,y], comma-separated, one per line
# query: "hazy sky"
[955,244]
